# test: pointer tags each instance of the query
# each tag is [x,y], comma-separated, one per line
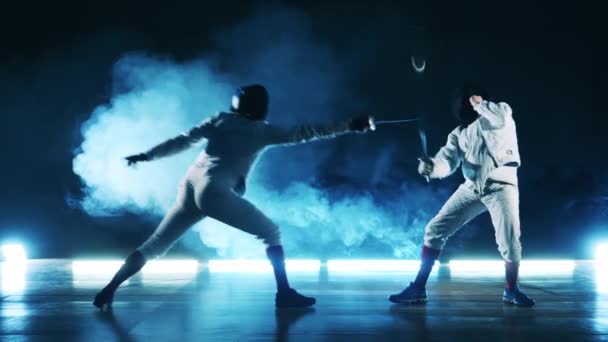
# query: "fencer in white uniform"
[485,146]
[214,184]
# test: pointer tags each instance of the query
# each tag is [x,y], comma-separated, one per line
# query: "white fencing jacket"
[487,148]
[234,143]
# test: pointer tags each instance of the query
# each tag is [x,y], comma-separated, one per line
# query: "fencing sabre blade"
[373,122]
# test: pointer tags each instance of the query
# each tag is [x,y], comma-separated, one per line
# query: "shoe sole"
[294,306]
[513,302]
[409,301]
[310,303]
[105,307]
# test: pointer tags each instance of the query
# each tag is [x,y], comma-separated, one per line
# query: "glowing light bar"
[14,252]
[601,268]
[527,267]
[601,279]
[303,265]
[13,277]
[170,266]
[87,273]
[601,253]
[466,267]
[156,266]
[368,265]
[548,266]
[91,267]
[260,266]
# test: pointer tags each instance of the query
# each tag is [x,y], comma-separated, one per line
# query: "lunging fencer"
[214,184]
[485,144]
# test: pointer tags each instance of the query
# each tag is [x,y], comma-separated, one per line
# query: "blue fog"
[362,214]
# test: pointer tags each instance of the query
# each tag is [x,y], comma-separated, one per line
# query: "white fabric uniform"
[489,154]
[214,183]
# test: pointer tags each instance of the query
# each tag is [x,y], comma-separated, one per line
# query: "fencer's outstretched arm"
[495,113]
[447,160]
[178,143]
[307,133]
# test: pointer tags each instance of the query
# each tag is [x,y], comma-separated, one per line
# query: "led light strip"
[254,266]
[496,267]
[367,265]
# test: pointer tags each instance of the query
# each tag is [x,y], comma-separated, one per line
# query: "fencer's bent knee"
[271,237]
[510,250]
[434,236]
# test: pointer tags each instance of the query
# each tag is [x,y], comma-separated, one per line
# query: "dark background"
[55,67]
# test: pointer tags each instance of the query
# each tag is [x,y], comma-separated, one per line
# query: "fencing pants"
[502,202]
[199,197]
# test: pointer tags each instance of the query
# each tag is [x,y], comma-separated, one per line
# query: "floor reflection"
[13,277]
[414,316]
[286,318]
[118,329]
[39,299]
[601,277]
[601,302]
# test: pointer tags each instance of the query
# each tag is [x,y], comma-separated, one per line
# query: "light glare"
[601,253]
[89,267]
[601,267]
[14,252]
[170,266]
[261,266]
[368,265]
[477,268]
[13,277]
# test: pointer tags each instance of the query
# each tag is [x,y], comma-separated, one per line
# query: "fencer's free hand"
[425,167]
[475,100]
[362,124]
[136,158]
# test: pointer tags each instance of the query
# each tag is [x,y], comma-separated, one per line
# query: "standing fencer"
[485,144]
[214,184]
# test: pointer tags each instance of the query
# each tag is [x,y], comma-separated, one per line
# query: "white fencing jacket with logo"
[487,148]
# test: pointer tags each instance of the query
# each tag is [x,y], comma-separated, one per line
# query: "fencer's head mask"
[251,101]
[461,106]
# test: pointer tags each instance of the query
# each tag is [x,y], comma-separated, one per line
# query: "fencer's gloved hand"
[132,160]
[425,166]
[361,123]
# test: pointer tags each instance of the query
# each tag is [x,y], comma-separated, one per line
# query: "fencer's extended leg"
[178,219]
[239,213]
[502,201]
[461,207]
[134,262]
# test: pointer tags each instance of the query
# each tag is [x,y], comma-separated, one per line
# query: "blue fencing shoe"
[516,297]
[292,299]
[411,295]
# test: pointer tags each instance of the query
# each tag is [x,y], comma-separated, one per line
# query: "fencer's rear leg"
[241,214]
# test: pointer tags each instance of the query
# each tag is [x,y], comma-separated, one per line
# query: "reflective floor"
[50,300]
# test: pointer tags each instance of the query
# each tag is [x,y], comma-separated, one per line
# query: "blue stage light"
[14,252]
[601,254]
